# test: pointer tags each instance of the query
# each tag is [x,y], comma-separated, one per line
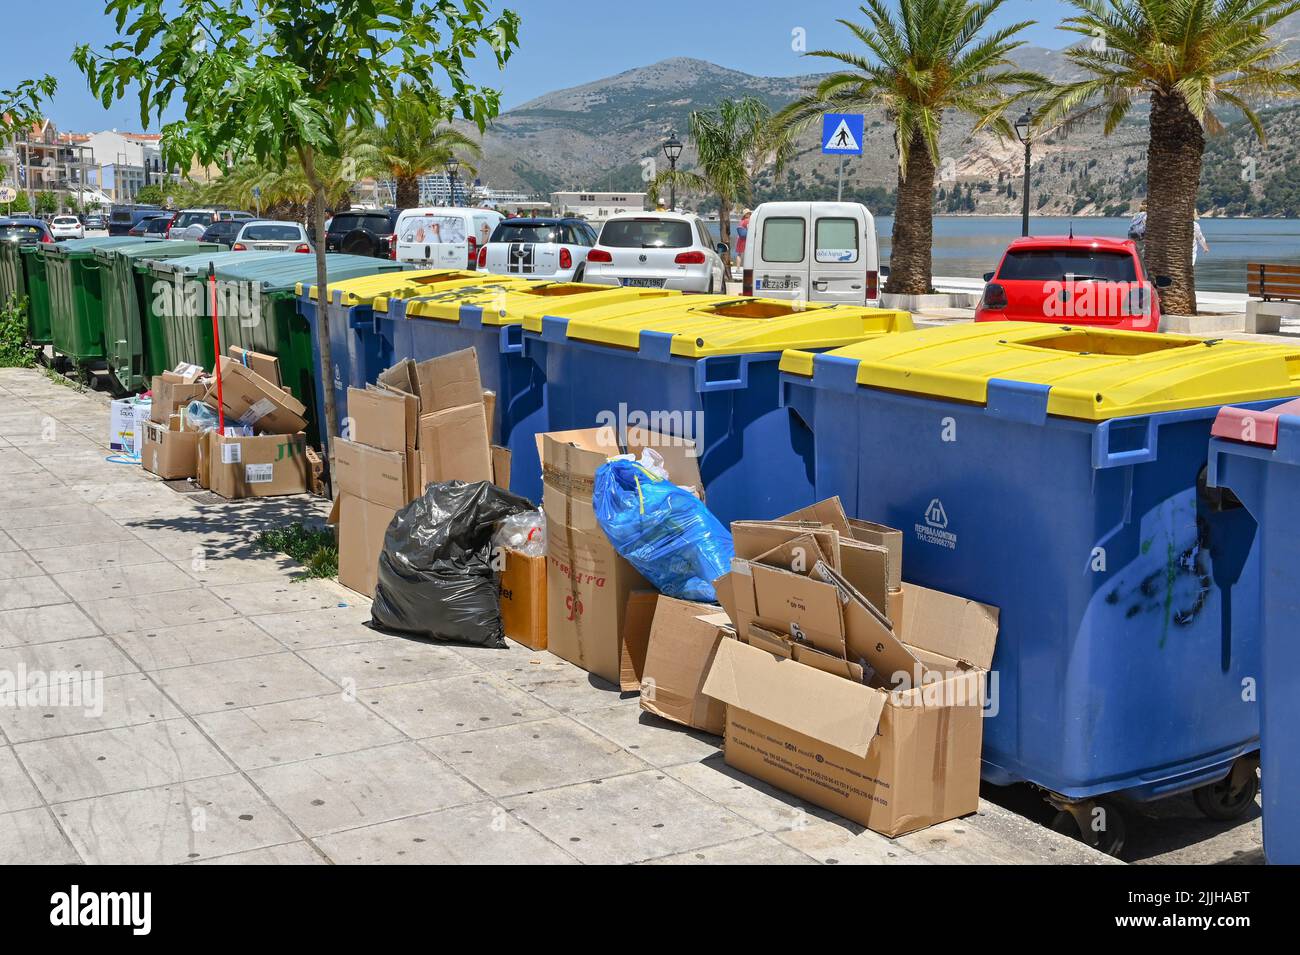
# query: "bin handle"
[704,382]
[1104,457]
[512,339]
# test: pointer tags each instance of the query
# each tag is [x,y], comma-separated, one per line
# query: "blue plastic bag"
[663,530]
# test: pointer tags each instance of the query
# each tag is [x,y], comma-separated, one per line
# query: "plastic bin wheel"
[1233,795]
[1098,823]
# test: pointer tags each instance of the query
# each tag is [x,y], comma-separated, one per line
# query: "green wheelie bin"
[176,311]
[22,276]
[136,350]
[76,298]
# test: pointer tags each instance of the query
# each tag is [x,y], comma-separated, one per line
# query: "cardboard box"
[449,381]
[268,366]
[266,465]
[401,377]
[893,761]
[587,582]
[454,445]
[501,466]
[188,372]
[170,393]
[253,400]
[370,473]
[523,598]
[362,525]
[637,621]
[169,454]
[683,641]
[126,420]
[384,419]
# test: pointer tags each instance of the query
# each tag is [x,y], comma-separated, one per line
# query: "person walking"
[1137,229]
[1198,237]
[742,232]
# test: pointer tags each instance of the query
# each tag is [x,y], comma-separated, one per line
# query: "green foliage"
[412,141]
[21,204]
[15,351]
[150,195]
[21,106]
[312,547]
[46,202]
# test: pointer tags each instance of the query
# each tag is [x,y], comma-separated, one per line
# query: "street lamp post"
[672,149]
[453,165]
[1024,126]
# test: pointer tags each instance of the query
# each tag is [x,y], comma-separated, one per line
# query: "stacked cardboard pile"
[422,423]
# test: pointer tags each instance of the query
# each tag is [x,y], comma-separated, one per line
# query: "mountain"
[596,136]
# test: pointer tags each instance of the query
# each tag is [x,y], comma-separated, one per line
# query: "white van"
[443,236]
[812,251]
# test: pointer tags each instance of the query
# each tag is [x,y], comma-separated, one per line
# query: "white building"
[124,162]
[597,206]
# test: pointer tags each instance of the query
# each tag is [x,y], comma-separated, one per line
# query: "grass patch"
[313,547]
[15,352]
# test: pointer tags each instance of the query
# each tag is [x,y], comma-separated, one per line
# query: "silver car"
[670,250]
[270,235]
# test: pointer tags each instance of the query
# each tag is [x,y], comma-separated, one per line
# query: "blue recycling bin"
[704,368]
[1257,458]
[1059,475]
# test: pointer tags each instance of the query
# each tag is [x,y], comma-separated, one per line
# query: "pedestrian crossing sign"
[842,134]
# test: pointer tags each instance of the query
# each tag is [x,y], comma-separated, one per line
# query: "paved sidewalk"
[248,717]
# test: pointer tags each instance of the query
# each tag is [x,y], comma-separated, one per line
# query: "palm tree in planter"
[733,143]
[1186,57]
[934,56]
[411,143]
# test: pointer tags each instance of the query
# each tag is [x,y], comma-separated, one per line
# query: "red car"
[1072,280]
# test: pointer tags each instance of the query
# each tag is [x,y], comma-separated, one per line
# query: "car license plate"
[642,283]
[783,284]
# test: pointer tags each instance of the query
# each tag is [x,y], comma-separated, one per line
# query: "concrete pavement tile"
[15,563]
[44,624]
[17,461]
[130,581]
[174,608]
[275,733]
[387,662]
[302,630]
[16,498]
[102,556]
[118,701]
[31,837]
[185,646]
[658,741]
[179,541]
[360,789]
[529,756]
[454,705]
[249,681]
[7,544]
[478,834]
[628,818]
[841,842]
[754,850]
[293,853]
[514,658]
[566,688]
[765,806]
[179,822]
[30,592]
[49,516]
[274,596]
[87,655]
[65,535]
[30,480]
[16,790]
[116,760]
[238,568]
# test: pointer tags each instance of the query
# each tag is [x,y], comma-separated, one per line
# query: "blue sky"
[564,43]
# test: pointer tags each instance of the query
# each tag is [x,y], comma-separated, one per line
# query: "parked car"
[95,221]
[362,232]
[153,226]
[67,227]
[191,223]
[223,232]
[553,249]
[443,236]
[657,250]
[271,235]
[122,217]
[813,251]
[24,230]
[1073,280]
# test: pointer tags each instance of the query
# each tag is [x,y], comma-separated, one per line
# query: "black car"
[361,232]
[24,230]
[152,226]
[223,233]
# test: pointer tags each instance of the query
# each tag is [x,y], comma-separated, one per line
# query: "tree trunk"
[408,192]
[1173,177]
[724,232]
[909,257]
[328,427]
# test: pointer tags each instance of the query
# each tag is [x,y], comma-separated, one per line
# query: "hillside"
[594,136]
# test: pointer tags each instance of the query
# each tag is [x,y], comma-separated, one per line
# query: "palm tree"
[733,143]
[411,142]
[1187,57]
[932,57]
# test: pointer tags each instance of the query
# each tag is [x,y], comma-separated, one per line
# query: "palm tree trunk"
[909,257]
[408,192]
[724,235]
[1173,178]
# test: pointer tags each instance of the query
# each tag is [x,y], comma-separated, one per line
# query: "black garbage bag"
[436,578]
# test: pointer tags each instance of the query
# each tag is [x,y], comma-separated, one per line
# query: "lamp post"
[1024,126]
[672,149]
[453,164]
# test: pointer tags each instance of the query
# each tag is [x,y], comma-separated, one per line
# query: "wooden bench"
[1273,283]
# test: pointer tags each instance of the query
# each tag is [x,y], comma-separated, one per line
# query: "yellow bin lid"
[703,325]
[1093,374]
[365,289]
[508,302]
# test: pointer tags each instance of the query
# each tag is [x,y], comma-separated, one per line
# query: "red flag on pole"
[216,343]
